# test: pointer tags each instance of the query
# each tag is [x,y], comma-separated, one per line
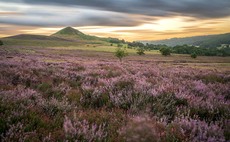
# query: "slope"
[208,41]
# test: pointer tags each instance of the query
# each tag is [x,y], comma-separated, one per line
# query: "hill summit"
[73,34]
[68,31]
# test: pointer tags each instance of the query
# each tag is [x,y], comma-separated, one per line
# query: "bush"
[193,55]
[1,43]
[165,51]
[121,53]
[141,51]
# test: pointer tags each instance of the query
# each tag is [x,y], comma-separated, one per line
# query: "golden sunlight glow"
[162,28]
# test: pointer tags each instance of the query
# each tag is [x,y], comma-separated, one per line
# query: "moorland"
[71,87]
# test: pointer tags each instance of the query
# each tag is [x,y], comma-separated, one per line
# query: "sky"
[125,19]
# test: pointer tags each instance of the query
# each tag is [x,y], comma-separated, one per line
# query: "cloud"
[196,8]
[46,15]
[106,13]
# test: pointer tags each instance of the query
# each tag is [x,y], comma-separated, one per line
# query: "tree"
[193,55]
[1,43]
[141,51]
[165,51]
[121,53]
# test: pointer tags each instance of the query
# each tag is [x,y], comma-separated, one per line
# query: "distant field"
[103,52]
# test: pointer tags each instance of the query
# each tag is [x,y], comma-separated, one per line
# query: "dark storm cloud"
[65,16]
[106,12]
[196,8]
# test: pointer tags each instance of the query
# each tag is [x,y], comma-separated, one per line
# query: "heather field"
[87,94]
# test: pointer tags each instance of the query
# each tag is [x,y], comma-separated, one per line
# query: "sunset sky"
[127,19]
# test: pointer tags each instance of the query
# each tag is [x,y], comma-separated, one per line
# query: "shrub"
[141,51]
[84,131]
[121,53]
[1,43]
[165,51]
[193,55]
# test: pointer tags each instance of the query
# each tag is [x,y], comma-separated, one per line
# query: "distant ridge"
[67,36]
[73,34]
[208,41]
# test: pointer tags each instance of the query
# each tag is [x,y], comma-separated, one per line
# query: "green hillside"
[67,36]
[39,43]
[209,41]
[73,34]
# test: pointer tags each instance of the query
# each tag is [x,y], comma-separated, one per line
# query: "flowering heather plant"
[196,130]
[54,106]
[14,133]
[38,90]
[83,131]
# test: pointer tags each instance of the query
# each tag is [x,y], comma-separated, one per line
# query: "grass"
[99,48]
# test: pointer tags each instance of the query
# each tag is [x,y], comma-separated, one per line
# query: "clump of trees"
[1,43]
[135,45]
[121,53]
[116,40]
[201,51]
[166,51]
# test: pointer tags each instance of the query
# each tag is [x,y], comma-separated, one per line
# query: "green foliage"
[121,53]
[165,51]
[141,51]
[1,43]
[193,55]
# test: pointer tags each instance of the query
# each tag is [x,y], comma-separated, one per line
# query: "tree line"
[182,49]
